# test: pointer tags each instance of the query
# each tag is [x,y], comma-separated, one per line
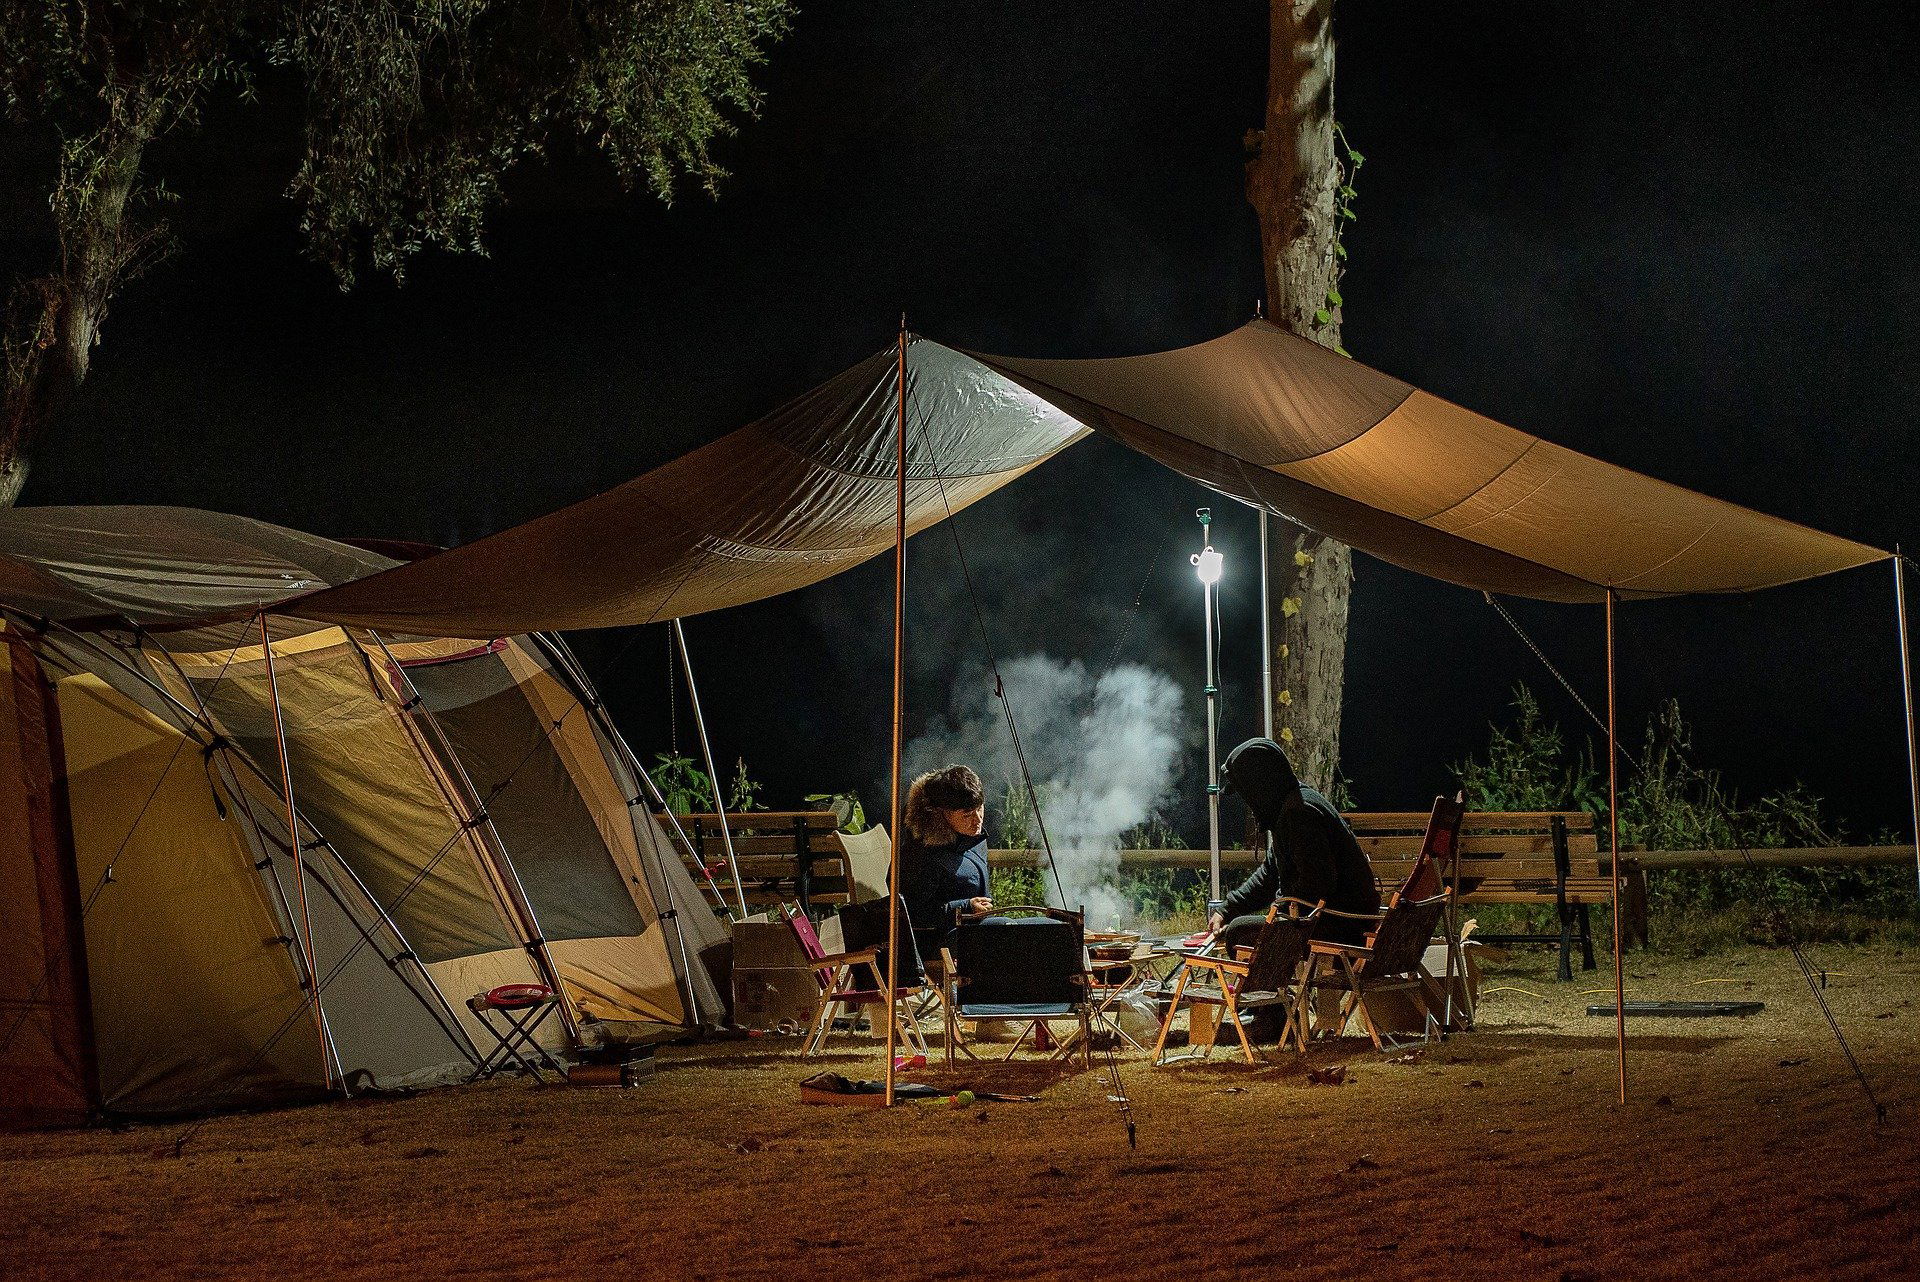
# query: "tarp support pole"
[327,1051]
[1613,862]
[1266,634]
[899,647]
[1906,689]
[713,775]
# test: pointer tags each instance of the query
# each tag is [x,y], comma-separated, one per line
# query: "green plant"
[1018,829]
[846,807]
[1017,885]
[1151,833]
[1527,768]
[688,789]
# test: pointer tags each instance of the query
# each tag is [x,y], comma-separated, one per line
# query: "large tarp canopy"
[1276,421]
[1258,414]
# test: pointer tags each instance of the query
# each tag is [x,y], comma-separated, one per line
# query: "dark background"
[1683,242]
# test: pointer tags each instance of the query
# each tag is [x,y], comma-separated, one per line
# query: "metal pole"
[457,786]
[1613,825]
[713,776]
[1906,689]
[1212,690]
[1266,634]
[556,650]
[299,866]
[899,649]
[203,719]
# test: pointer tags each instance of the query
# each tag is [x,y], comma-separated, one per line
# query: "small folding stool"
[513,1013]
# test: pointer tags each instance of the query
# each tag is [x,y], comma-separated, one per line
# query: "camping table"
[520,1009]
[1114,979]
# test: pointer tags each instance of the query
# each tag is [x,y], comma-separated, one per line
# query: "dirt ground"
[1747,1151]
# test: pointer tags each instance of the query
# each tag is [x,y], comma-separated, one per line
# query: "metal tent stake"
[713,776]
[1613,825]
[1906,689]
[899,646]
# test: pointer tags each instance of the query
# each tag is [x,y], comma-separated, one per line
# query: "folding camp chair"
[1394,959]
[864,926]
[513,1013]
[1022,970]
[835,973]
[1437,868]
[1266,974]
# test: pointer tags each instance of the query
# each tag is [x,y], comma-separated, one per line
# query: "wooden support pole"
[1613,862]
[1906,689]
[899,649]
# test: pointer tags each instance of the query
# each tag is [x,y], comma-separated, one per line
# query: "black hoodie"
[1311,853]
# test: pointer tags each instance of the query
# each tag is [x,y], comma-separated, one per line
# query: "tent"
[467,817]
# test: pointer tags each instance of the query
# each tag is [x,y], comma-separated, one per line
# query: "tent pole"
[557,650]
[899,645]
[327,1052]
[203,719]
[454,779]
[713,775]
[1906,689]
[1266,635]
[1613,863]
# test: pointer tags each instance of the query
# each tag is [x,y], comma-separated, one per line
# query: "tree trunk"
[53,322]
[1293,180]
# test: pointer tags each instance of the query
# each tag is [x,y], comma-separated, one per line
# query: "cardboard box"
[1394,1012]
[769,996]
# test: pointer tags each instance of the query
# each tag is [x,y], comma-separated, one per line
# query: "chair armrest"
[1335,912]
[1326,949]
[845,959]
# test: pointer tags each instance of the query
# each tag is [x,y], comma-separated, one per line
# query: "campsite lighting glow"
[1208,564]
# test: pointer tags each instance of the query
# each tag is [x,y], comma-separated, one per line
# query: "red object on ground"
[516,996]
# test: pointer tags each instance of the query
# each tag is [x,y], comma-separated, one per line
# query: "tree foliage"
[412,113]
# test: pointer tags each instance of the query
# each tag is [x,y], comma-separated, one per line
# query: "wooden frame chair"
[1000,970]
[1393,959]
[834,972]
[1270,973]
[1436,869]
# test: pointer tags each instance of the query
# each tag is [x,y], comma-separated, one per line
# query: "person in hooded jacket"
[943,856]
[1311,853]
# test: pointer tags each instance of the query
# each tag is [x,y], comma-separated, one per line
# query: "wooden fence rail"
[1784,857]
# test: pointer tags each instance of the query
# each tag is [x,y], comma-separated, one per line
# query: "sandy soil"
[1747,1151]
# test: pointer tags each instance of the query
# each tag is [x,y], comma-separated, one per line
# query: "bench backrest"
[1505,844]
[770,846]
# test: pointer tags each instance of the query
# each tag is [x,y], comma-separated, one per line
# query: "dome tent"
[465,817]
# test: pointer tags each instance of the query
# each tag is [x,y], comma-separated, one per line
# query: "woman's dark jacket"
[940,870]
[1311,853]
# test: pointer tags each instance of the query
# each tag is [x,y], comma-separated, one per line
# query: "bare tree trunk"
[1294,177]
[53,321]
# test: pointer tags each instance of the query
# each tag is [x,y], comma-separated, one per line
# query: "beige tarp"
[1258,414]
[800,495]
[1345,450]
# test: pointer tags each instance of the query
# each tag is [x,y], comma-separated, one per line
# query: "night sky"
[1683,242]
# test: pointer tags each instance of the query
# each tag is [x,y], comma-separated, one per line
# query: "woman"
[1311,854]
[943,854]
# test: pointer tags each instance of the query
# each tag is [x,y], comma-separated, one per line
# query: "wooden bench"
[1533,857]
[785,856]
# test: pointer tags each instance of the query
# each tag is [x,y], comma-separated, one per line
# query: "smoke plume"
[1104,755]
